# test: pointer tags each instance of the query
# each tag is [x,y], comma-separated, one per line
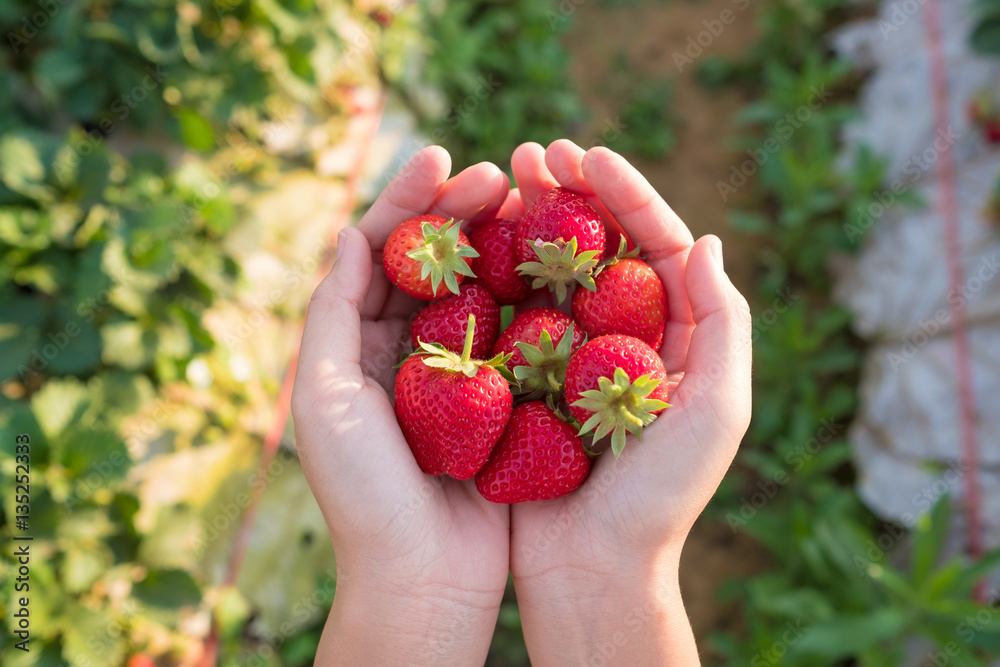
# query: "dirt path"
[648,36]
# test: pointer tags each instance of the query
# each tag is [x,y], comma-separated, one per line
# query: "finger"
[565,160]
[513,207]
[411,192]
[464,195]
[650,223]
[492,210]
[634,203]
[378,290]
[676,335]
[715,389]
[530,173]
[330,354]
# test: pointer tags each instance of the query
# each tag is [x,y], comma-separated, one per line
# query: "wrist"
[631,615]
[415,624]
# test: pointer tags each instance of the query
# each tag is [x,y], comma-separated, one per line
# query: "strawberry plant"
[132,140]
[835,578]
[985,36]
[494,96]
[646,111]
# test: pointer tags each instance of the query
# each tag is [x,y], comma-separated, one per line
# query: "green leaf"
[21,167]
[16,344]
[87,638]
[81,567]
[79,348]
[58,404]
[126,344]
[985,37]
[749,223]
[167,590]
[984,567]
[929,539]
[97,454]
[58,68]
[848,635]
[196,131]
[231,611]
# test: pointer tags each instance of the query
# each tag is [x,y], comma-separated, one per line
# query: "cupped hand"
[401,538]
[621,533]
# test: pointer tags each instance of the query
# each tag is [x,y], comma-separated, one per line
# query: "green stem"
[469,333]
[553,382]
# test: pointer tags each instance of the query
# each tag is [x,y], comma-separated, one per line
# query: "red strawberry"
[629,300]
[559,241]
[444,321]
[539,349]
[539,457]
[452,410]
[616,384]
[497,263]
[425,250]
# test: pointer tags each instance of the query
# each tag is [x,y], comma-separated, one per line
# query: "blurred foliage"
[646,112]
[502,77]
[837,591]
[985,35]
[128,131]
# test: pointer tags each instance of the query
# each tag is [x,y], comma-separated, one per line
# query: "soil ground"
[648,36]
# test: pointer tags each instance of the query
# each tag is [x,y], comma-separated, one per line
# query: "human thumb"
[331,340]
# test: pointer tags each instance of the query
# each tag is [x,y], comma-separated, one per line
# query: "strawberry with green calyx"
[616,384]
[444,321]
[497,263]
[629,299]
[559,241]
[425,251]
[539,342]
[539,457]
[451,408]
[545,370]
[559,266]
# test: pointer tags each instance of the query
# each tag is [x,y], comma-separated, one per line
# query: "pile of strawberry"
[512,409]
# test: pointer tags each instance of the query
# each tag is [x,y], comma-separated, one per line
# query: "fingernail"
[340,244]
[717,254]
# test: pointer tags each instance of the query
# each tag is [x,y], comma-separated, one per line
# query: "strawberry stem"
[469,333]
[554,382]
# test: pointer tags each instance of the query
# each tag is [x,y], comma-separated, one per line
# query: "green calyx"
[620,407]
[559,266]
[622,253]
[436,356]
[442,255]
[546,369]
